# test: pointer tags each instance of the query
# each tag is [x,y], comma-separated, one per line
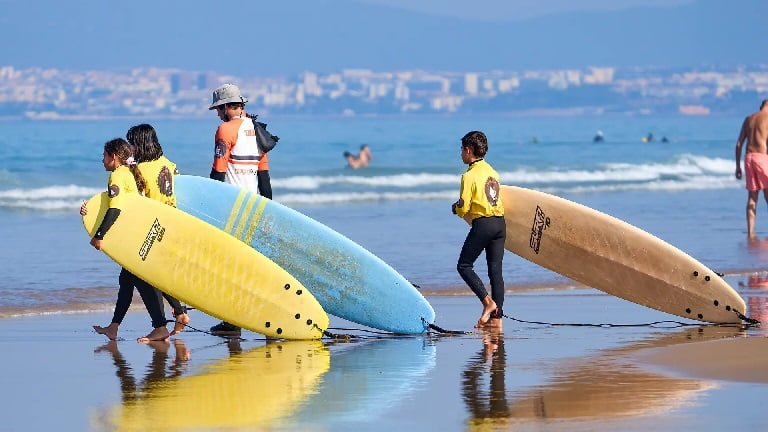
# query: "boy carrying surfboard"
[480,204]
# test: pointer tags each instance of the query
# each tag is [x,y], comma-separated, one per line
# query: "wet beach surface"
[58,374]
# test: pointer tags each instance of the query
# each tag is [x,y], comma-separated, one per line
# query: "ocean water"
[682,191]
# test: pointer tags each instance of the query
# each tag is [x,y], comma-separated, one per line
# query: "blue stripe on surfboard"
[347,280]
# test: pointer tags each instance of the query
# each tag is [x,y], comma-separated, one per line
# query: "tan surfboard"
[603,252]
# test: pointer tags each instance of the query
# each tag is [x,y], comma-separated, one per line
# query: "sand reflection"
[608,385]
[251,389]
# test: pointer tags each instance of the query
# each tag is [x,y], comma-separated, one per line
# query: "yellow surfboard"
[207,268]
[253,390]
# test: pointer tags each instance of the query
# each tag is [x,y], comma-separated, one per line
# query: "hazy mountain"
[291,36]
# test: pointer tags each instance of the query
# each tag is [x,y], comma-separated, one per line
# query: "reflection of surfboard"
[606,253]
[200,265]
[255,389]
[610,385]
[366,380]
[346,279]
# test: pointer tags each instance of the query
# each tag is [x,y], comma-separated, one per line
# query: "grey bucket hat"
[225,94]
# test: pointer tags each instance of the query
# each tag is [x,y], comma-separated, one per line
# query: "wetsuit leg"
[124,295]
[153,301]
[178,308]
[473,245]
[265,185]
[494,256]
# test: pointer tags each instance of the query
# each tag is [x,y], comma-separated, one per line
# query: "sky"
[515,10]
[289,37]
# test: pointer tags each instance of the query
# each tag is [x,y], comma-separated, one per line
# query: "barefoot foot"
[181,321]
[158,334]
[489,307]
[109,331]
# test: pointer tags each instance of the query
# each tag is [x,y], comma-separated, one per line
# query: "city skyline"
[38,93]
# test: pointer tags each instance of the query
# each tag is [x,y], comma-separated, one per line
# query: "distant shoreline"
[264,113]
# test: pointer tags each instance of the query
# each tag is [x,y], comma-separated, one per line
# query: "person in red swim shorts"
[754,131]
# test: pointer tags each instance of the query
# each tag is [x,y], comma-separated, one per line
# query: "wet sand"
[57,374]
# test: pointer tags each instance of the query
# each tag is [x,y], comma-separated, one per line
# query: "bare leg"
[489,306]
[109,331]
[181,321]
[157,334]
[751,213]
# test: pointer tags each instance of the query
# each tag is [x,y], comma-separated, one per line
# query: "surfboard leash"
[749,321]
[434,326]
[207,332]
[443,331]
[655,324]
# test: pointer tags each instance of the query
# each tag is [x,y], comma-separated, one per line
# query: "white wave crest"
[49,198]
[352,197]
[686,172]
[397,180]
[49,192]
[683,165]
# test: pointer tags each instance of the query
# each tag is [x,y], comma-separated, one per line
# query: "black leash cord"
[656,324]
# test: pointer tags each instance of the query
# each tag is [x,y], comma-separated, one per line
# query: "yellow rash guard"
[479,194]
[159,177]
[120,182]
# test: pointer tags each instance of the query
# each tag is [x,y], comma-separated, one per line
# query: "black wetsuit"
[487,234]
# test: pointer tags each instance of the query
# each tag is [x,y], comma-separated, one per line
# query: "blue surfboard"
[346,279]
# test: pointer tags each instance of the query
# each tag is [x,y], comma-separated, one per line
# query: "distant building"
[471,84]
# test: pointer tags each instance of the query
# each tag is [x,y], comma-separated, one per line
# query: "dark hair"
[122,150]
[235,105]
[765,102]
[144,140]
[477,141]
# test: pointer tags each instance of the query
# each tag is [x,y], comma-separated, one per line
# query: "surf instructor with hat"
[237,158]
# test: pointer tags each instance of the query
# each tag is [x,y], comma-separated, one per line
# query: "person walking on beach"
[480,202]
[754,130]
[159,173]
[118,159]
[237,158]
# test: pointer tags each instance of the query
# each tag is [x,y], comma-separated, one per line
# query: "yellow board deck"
[207,268]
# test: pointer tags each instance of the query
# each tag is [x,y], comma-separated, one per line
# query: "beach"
[59,375]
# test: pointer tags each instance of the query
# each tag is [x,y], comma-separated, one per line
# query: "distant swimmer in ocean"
[648,138]
[599,137]
[754,130]
[360,160]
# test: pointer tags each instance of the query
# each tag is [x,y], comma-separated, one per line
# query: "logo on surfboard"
[540,223]
[156,232]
